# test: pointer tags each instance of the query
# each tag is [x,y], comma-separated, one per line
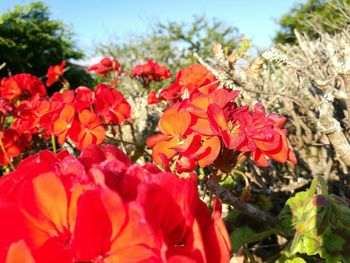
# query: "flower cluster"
[102,208]
[105,66]
[193,78]
[80,115]
[21,86]
[16,96]
[150,72]
[205,126]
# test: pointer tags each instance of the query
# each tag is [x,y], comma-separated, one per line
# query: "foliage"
[30,41]
[321,223]
[312,18]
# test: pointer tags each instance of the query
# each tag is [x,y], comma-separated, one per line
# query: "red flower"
[150,72]
[63,211]
[87,130]
[85,98]
[111,105]
[105,66]
[195,79]
[253,132]
[152,98]
[54,73]
[5,106]
[21,84]
[13,144]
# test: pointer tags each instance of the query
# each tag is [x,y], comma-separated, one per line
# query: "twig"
[121,141]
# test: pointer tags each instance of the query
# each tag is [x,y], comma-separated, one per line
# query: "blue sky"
[96,21]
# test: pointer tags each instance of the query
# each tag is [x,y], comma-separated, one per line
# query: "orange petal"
[19,253]
[154,139]
[202,126]
[99,132]
[260,159]
[214,144]
[67,113]
[59,126]
[51,199]
[164,147]
[136,242]
[174,122]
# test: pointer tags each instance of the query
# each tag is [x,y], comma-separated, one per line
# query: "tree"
[30,42]
[313,18]
[173,43]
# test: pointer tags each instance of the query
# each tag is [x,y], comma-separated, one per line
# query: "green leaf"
[320,223]
[245,235]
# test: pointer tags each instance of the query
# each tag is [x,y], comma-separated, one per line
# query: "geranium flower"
[176,138]
[195,79]
[105,66]
[86,130]
[63,211]
[150,72]
[54,73]
[111,105]
[84,98]
[26,85]
[252,132]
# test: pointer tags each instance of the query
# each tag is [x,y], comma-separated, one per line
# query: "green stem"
[53,142]
[249,255]
[323,184]
[246,181]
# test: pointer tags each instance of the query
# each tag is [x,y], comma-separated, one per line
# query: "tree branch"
[333,131]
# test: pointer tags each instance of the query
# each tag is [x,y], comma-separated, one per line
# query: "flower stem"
[53,142]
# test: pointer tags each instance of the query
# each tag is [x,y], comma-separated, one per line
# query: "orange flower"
[54,73]
[63,123]
[173,124]
[177,137]
[87,130]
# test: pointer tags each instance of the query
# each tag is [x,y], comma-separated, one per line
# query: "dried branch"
[229,198]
